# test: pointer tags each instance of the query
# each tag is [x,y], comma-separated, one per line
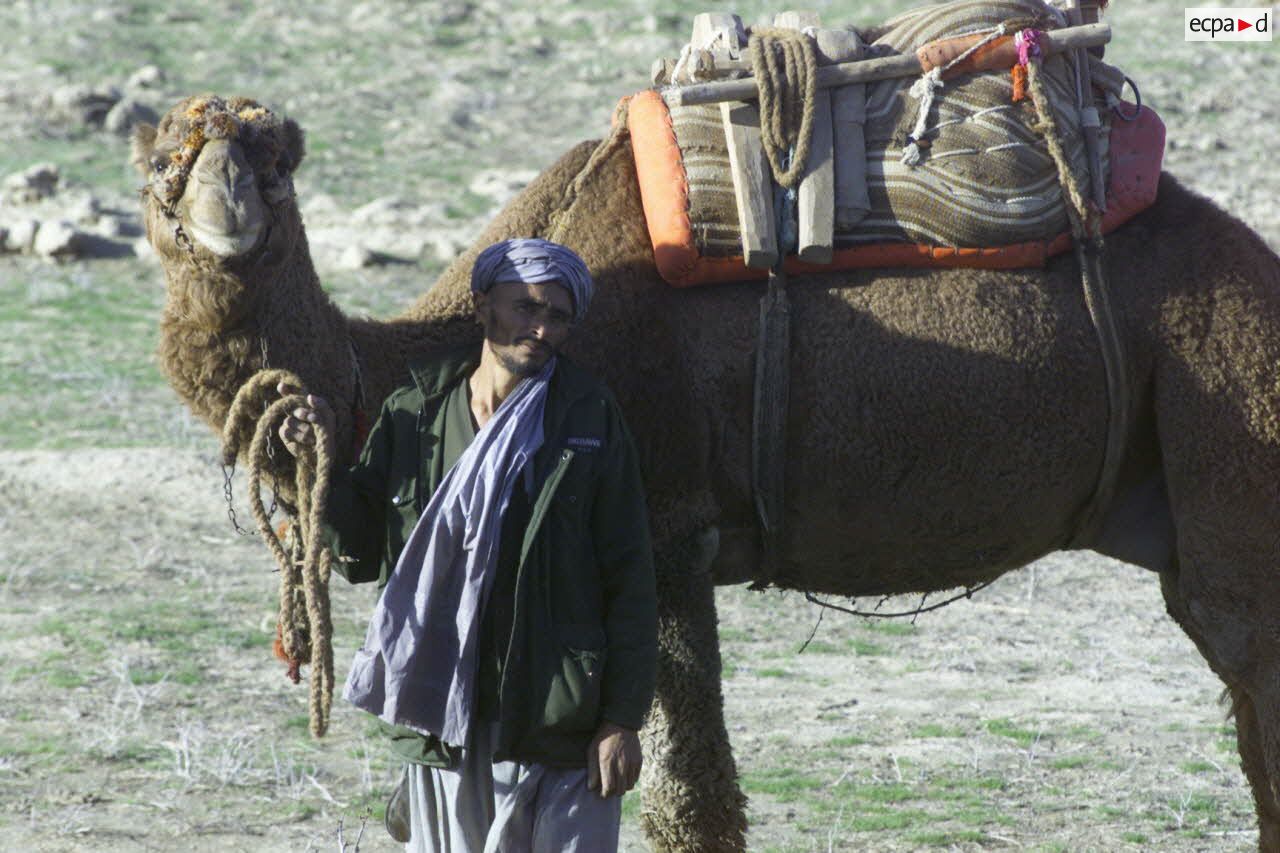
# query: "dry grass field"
[1059,710]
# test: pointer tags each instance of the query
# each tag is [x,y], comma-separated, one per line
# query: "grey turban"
[532,260]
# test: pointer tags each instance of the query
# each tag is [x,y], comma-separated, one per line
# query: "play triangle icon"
[1244,25]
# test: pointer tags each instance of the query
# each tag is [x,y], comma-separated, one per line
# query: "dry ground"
[139,710]
[1059,709]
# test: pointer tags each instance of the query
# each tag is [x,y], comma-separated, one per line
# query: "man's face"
[525,324]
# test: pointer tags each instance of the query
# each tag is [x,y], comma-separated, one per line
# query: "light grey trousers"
[507,807]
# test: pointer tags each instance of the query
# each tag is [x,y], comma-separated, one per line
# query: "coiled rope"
[304,626]
[785,66]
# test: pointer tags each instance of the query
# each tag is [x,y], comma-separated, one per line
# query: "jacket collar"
[438,374]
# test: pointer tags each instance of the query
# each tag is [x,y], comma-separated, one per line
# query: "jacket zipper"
[535,523]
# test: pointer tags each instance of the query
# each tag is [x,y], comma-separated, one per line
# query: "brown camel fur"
[944,427]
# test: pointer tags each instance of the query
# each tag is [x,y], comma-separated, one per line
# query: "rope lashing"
[1028,43]
[1082,214]
[1086,227]
[304,625]
[925,90]
[785,67]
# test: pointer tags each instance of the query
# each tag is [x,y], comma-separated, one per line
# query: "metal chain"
[271,452]
[227,472]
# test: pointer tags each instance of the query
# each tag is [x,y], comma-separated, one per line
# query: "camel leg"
[1217,416]
[1252,734]
[1252,758]
[691,800]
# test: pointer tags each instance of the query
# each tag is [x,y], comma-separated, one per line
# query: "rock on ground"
[31,184]
[83,104]
[126,114]
[58,238]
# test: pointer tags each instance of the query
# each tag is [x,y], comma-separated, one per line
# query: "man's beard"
[522,367]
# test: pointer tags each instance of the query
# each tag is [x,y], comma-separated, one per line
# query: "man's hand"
[613,760]
[296,430]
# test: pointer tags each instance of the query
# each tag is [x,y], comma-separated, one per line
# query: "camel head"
[219,187]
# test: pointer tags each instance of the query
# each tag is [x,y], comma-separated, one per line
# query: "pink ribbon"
[1028,42]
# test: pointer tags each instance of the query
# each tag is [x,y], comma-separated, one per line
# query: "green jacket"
[584,622]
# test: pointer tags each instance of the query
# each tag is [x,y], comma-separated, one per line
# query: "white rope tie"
[925,90]
[686,53]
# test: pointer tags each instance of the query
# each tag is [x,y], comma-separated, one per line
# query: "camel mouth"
[229,245]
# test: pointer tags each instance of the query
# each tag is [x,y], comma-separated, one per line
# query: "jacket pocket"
[402,515]
[573,701]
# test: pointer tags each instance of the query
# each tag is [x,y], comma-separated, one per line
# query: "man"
[498,499]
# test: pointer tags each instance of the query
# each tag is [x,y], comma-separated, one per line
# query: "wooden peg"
[848,119]
[752,183]
[815,200]
[712,27]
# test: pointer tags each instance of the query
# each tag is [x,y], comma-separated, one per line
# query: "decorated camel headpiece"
[262,135]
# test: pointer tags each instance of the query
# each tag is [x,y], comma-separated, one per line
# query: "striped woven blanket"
[987,178]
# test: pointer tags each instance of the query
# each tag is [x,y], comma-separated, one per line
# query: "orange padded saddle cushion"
[1136,155]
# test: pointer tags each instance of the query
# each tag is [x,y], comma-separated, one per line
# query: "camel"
[945,426]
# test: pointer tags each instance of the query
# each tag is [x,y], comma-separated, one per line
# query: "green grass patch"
[180,632]
[65,678]
[964,782]
[948,838]
[784,784]
[36,752]
[889,627]
[935,730]
[890,792]
[844,741]
[1069,762]
[299,724]
[370,804]
[75,635]
[889,820]
[631,805]
[76,362]
[822,647]
[866,648]
[141,753]
[1197,767]
[1135,838]
[1008,729]
[774,672]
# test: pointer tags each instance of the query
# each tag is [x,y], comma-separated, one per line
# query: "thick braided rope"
[306,631]
[315,579]
[1083,222]
[786,71]
[246,405]
[558,221]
